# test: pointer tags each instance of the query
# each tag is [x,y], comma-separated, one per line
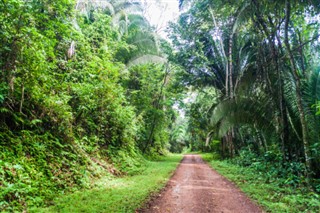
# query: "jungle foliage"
[84,93]
[88,89]
[254,69]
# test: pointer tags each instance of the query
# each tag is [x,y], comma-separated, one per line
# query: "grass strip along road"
[124,194]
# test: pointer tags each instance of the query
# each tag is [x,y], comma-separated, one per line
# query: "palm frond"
[244,110]
[85,6]
[147,59]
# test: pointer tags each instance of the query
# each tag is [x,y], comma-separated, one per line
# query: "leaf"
[35,122]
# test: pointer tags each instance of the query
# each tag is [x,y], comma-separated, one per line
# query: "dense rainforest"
[79,97]
[90,89]
[255,66]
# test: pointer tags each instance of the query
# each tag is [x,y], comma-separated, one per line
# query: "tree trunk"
[22,98]
[157,106]
[223,54]
[230,65]
[283,119]
[295,74]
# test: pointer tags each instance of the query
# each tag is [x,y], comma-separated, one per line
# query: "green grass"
[124,194]
[267,193]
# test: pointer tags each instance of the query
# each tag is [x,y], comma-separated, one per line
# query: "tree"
[240,51]
[66,112]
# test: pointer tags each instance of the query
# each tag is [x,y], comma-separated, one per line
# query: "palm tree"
[134,29]
[261,76]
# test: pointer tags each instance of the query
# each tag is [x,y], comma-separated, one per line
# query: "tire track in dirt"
[195,187]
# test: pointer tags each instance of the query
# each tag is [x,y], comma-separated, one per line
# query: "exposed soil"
[195,187]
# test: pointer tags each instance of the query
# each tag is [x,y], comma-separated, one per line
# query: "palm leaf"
[147,59]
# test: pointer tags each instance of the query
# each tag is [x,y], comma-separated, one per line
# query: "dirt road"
[195,187]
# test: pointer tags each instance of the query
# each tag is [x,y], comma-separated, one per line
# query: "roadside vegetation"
[85,93]
[90,91]
[254,72]
[121,194]
[274,192]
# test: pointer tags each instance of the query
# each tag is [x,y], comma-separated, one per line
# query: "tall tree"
[252,52]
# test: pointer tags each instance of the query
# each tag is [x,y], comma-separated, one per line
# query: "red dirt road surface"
[195,187]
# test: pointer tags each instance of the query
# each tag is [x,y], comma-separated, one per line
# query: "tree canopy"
[88,88]
[261,59]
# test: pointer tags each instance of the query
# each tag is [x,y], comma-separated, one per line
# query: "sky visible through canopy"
[161,12]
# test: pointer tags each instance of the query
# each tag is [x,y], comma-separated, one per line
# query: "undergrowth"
[35,168]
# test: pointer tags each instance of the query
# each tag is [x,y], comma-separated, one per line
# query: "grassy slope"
[267,193]
[118,194]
